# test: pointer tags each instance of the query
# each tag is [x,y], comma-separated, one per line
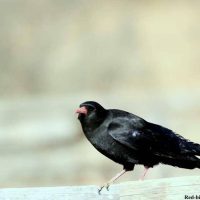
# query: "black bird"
[129,140]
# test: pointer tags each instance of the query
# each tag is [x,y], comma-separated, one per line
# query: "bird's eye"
[90,108]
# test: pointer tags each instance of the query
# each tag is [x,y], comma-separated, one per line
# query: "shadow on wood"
[168,188]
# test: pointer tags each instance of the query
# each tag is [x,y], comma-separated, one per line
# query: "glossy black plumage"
[128,139]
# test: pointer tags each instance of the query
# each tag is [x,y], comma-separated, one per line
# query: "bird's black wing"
[130,137]
[140,135]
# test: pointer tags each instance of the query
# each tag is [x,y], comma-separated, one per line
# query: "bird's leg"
[106,185]
[144,173]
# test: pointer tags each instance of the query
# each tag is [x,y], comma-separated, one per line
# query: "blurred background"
[140,56]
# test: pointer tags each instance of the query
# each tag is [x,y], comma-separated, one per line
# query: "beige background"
[141,56]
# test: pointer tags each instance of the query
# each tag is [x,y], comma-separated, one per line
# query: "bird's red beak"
[82,110]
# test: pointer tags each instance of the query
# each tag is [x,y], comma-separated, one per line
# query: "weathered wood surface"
[169,188]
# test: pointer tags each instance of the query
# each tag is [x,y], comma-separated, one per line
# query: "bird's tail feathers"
[196,149]
[191,148]
[197,161]
[188,162]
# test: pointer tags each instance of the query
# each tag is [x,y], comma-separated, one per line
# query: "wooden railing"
[157,189]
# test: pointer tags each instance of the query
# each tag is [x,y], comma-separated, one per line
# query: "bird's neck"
[90,125]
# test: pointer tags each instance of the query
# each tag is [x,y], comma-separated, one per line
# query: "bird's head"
[91,114]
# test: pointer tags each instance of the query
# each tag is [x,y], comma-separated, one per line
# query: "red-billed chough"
[129,140]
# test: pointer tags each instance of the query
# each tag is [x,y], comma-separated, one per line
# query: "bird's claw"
[106,185]
[99,190]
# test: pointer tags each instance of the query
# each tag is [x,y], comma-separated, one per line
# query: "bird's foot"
[141,178]
[106,185]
